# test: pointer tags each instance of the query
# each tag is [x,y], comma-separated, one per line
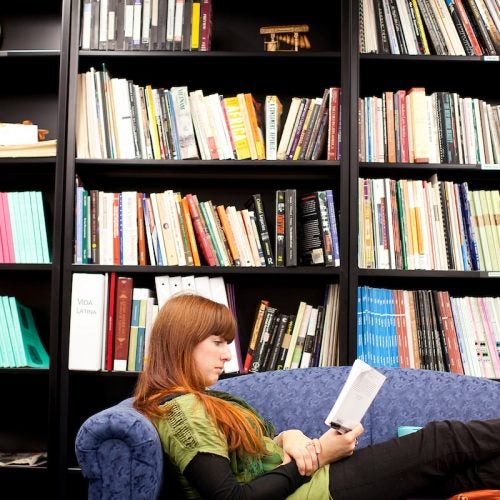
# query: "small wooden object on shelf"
[291,37]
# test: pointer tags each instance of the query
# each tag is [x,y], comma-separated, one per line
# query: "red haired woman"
[221,448]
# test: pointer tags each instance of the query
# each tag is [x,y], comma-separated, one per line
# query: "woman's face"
[210,355]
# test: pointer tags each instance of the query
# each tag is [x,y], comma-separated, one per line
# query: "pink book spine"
[7,242]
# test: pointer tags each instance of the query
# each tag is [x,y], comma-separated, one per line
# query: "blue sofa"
[120,453]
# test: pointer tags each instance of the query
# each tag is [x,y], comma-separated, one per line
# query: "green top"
[188,430]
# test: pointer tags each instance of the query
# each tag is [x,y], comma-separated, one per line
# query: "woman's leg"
[447,457]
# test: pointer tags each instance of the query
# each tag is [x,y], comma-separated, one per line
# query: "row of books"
[146,25]
[307,337]
[441,27]
[23,232]
[111,318]
[433,225]
[429,329]
[20,344]
[117,118]
[412,127]
[168,228]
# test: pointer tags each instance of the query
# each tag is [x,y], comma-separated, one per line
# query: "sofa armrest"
[119,452]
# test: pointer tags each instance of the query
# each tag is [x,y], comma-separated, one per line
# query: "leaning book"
[358,393]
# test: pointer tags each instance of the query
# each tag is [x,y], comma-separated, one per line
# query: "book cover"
[256,203]
[202,234]
[32,347]
[273,109]
[123,307]
[279,245]
[87,323]
[110,323]
[291,258]
[356,396]
[270,316]
[254,336]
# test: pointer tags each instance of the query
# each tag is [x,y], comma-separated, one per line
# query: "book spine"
[123,304]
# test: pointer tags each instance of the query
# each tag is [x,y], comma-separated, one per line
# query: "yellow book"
[237,128]
[419,128]
[195,25]
[152,122]
[258,137]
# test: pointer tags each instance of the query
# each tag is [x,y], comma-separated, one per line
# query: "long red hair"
[183,322]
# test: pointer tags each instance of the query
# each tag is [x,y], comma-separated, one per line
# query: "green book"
[33,350]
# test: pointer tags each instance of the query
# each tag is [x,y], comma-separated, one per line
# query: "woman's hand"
[297,446]
[335,445]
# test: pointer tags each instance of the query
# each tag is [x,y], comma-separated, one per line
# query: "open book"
[360,389]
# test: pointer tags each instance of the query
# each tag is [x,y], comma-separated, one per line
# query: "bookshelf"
[34,62]
[374,74]
[236,63]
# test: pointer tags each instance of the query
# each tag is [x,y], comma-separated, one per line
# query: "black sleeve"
[212,477]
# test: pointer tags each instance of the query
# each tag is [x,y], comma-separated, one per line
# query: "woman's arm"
[213,478]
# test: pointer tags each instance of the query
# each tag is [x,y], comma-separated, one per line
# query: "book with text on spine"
[358,393]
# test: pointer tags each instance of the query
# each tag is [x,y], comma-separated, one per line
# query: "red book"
[202,234]
[110,330]
[333,123]
[123,308]
[206,26]
[456,365]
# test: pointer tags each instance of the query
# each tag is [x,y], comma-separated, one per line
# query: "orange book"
[248,126]
[228,231]
[389,120]
[253,109]
[141,232]
[190,231]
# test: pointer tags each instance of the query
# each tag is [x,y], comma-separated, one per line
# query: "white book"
[86,22]
[356,396]
[200,122]
[123,116]
[241,238]
[447,27]
[171,205]
[222,130]
[202,286]
[218,294]
[184,123]
[272,111]
[175,284]
[92,119]
[287,128]
[305,360]
[407,25]
[247,223]
[166,232]
[87,321]
[188,283]
[162,287]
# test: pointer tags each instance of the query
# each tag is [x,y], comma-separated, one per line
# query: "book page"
[360,389]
